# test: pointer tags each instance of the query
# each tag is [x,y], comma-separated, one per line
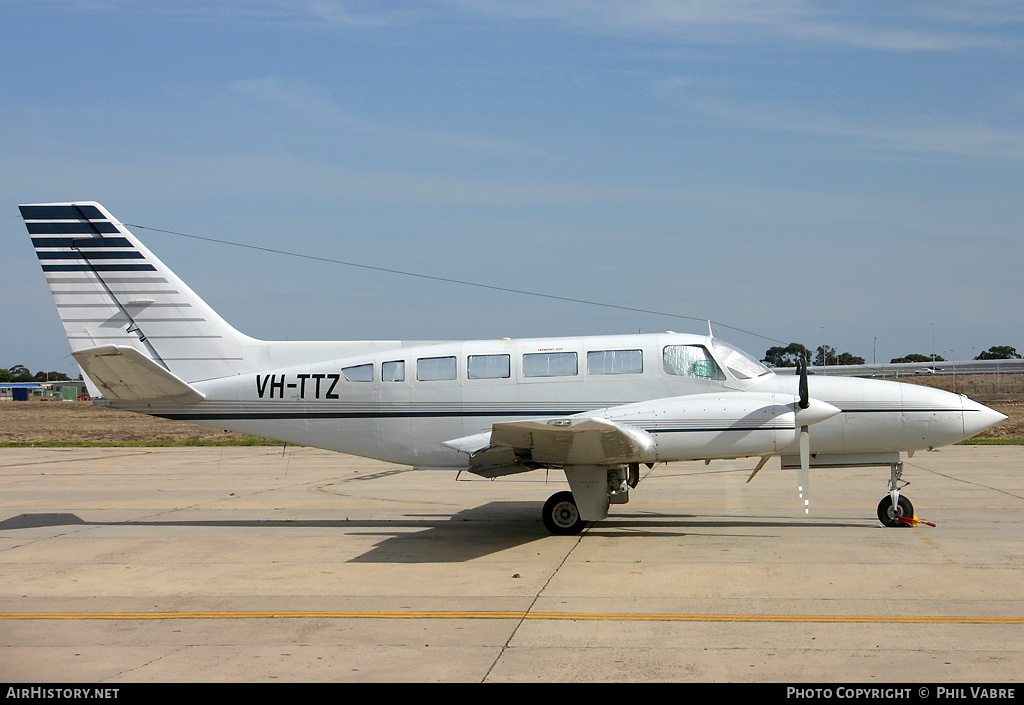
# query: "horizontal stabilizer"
[575,441]
[124,374]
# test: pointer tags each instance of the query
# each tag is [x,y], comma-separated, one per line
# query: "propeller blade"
[803,403]
[805,397]
[804,473]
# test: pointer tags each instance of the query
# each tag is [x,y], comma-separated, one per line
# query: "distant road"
[908,369]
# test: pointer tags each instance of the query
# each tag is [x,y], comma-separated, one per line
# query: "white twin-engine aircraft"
[595,407]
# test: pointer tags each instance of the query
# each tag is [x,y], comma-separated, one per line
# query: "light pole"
[952,355]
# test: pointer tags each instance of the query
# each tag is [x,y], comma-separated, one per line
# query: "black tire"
[561,516]
[889,515]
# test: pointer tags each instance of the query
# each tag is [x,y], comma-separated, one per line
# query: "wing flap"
[124,374]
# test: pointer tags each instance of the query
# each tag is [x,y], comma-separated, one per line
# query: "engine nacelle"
[726,425]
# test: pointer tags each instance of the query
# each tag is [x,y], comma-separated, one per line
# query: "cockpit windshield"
[739,363]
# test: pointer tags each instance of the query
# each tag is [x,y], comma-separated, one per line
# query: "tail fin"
[112,291]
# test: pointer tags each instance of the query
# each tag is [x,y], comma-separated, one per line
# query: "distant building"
[20,391]
[72,390]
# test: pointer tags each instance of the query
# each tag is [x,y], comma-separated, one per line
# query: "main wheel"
[889,515]
[561,515]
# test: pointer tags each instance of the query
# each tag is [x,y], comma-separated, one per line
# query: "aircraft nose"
[978,417]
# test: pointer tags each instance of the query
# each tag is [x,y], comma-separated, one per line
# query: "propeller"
[804,473]
[807,411]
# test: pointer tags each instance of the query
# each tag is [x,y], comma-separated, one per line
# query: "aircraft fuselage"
[401,405]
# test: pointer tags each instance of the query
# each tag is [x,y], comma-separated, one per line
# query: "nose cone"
[978,417]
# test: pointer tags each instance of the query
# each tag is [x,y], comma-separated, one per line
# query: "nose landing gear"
[892,515]
[895,506]
[896,510]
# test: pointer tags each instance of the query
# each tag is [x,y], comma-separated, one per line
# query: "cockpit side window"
[691,361]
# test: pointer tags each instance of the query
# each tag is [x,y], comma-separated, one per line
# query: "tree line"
[787,356]
[20,373]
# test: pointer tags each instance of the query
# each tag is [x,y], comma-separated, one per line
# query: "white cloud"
[959,135]
[935,25]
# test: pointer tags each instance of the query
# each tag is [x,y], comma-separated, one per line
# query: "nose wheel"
[894,505]
[561,515]
[889,514]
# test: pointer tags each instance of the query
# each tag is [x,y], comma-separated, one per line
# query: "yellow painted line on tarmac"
[553,616]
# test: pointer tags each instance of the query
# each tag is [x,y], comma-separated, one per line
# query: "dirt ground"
[74,421]
[83,421]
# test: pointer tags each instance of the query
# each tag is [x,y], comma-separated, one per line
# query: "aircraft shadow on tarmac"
[473,533]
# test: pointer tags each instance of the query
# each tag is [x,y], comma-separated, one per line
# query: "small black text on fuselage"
[311,385]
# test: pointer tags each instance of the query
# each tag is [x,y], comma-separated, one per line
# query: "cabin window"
[615,362]
[430,369]
[358,373]
[393,371]
[488,367]
[550,364]
[691,361]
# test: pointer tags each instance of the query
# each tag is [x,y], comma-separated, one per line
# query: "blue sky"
[847,173]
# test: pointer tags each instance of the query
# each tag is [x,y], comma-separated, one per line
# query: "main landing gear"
[593,489]
[562,516]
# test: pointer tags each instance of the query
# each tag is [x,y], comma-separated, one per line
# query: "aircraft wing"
[124,374]
[519,446]
[575,441]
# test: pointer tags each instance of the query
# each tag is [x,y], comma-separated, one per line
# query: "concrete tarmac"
[296,565]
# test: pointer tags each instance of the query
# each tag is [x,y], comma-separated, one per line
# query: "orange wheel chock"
[914,521]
